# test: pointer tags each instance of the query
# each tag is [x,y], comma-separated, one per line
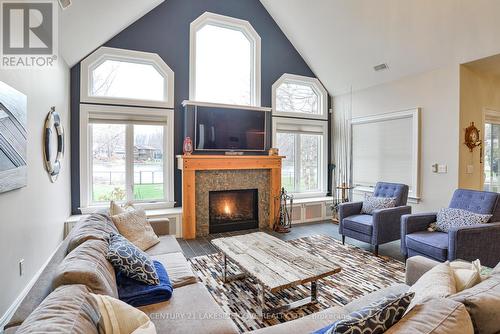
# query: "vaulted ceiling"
[342,40]
[87,24]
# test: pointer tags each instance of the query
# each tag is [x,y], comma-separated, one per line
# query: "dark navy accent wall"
[165,31]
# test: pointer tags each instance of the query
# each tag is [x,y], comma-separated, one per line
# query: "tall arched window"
[224,61]
[300,131]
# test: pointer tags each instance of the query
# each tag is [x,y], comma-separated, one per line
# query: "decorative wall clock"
[472,137]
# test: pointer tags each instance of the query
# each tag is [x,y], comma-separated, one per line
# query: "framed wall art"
[13,118]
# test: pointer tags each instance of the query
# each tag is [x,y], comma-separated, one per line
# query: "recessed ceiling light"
[381,67]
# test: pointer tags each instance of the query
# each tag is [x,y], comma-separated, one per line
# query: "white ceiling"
[342,40]
[87,24]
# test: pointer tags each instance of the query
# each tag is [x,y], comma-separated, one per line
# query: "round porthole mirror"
[53,142]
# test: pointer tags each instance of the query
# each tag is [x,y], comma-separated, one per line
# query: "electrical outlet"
[21,267]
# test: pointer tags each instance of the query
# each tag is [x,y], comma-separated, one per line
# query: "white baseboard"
[13,307]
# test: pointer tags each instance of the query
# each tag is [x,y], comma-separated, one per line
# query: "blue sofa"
[380,227]
[466,243]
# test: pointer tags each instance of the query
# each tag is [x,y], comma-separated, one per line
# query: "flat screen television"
[225,129]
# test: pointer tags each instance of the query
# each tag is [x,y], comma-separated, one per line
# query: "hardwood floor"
[202,246]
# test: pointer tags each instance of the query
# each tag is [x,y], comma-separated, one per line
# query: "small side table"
[343,199]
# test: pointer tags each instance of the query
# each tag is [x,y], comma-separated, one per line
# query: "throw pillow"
[134,226]
[95,226]
[439,282]
[466,274]
[130,260]
[482,302]
[119,317]
[87,264]
[447,218]
[437,316]
[374,319]
[372,203]
[67,309]
[115,209]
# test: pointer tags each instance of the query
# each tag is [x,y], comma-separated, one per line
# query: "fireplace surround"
[204,173]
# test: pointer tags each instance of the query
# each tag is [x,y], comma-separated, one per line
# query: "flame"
[227,211]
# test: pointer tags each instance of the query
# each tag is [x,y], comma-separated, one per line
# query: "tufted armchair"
[467,243]
[380,227]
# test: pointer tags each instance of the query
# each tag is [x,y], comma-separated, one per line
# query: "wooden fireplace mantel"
[189,164]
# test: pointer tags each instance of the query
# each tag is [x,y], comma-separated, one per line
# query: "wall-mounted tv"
[227,129]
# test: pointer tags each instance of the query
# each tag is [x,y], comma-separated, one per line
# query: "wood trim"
[189,164]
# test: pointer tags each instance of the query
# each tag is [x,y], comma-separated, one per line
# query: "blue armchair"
[380,227]
[467,243]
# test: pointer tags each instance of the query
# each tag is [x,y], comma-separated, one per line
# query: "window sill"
[145,206]
[311,195]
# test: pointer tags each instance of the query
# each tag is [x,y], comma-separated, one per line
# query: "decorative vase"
[273,151]
[187,147]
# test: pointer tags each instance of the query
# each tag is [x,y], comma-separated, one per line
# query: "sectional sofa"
[79,266]
[80,259]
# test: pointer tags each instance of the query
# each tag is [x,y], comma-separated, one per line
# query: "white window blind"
[385,148]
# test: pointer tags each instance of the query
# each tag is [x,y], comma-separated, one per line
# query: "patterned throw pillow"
[130,260]
[447,218]
[372,203]
[374,319]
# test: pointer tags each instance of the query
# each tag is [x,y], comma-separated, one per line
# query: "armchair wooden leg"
[343,240]
[375,250]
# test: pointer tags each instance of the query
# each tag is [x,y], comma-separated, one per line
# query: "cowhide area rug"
[362,273]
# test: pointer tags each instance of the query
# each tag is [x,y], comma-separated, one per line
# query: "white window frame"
[153,116]
[317,87]
[228,22]
[414,115]
[89,64]
[280,122]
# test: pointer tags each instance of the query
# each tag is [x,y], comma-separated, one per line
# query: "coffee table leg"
[225,277]
[314,291]
[262,300]
[313,298]
[224,269]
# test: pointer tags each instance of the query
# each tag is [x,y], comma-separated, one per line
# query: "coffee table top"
[274,263]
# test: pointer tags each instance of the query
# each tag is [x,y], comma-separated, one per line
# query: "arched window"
[224,61]
[299,96]
[301,133]
[125,77]
[126,147]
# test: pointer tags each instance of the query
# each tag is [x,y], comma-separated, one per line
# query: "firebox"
[233,210]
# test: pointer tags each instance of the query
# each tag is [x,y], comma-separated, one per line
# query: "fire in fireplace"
[233,210]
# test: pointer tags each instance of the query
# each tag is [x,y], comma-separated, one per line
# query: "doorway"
[491,146]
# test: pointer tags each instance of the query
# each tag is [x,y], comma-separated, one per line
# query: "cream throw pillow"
[439,282]
[466,274]
[134,226]
[118,317]
[115,209]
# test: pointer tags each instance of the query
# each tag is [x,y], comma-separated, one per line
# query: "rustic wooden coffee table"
[274,264]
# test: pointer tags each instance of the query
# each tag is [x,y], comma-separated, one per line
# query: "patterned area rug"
[361,274]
